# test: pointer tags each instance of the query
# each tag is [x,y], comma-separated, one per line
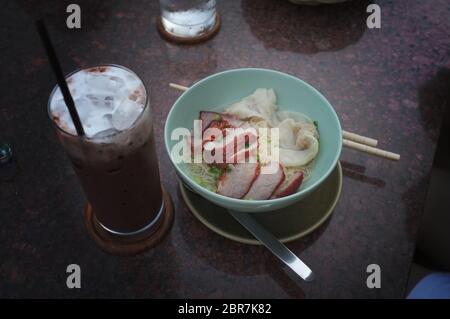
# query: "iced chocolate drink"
[116,160]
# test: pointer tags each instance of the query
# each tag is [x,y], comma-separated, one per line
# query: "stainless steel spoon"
[274,245]
[271,242]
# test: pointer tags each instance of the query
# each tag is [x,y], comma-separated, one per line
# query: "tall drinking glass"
[188,18]
[116,161]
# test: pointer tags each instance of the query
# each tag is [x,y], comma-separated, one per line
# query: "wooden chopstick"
[359,138]
[349,139]
[370,150]
[178,87]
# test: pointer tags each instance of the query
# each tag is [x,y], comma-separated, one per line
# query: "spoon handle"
[274,245]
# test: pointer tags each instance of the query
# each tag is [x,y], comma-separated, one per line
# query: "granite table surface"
[390,83]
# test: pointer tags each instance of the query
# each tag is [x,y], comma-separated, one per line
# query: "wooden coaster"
[118,245]
[189,40]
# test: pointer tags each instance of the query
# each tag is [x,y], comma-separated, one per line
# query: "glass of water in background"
[188,19]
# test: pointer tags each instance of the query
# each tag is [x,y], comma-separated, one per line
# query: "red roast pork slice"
[265,184]
[208,117]
[238,180]
[290,186]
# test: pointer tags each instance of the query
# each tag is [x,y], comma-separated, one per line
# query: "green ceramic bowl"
[221,89]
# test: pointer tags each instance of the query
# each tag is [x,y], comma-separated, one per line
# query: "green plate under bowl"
[287,224]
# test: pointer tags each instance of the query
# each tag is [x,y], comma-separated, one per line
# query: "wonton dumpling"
[298,143]
[292,134]
[298,136]
[297,117]
[302,122]
[261,104]
[288,137]
[296,157]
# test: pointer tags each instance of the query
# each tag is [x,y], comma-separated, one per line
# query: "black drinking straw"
[56,66]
